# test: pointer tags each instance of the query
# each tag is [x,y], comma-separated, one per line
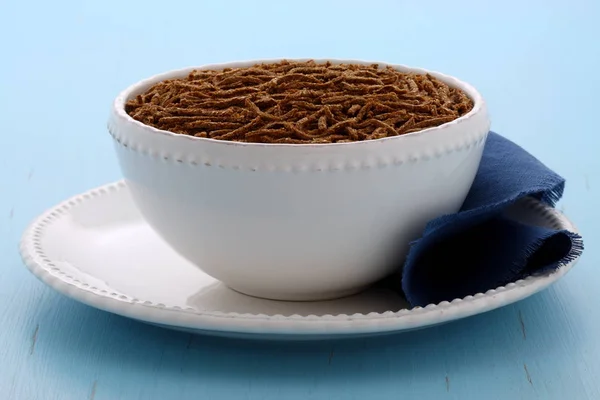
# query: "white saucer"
[97,249]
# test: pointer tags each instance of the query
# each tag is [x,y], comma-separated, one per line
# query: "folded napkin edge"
[573,240]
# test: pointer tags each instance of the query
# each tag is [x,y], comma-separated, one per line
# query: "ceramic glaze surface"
[98,249]
[297,222]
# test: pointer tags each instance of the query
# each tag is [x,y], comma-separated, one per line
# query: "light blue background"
[62,62]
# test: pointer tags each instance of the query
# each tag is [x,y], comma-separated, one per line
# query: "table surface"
[535,62]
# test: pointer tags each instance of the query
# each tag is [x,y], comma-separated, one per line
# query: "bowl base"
[314,296]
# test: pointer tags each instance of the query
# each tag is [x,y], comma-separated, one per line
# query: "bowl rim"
[118,106]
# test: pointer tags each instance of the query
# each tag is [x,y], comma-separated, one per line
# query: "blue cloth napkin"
[477,249]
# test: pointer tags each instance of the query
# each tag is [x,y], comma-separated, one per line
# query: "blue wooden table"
[537,64]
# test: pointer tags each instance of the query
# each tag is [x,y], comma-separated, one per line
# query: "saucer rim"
[40,265]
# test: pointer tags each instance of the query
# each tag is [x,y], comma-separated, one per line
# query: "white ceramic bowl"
[297,221]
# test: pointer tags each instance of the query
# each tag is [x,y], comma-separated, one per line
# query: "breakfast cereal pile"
[299,103]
